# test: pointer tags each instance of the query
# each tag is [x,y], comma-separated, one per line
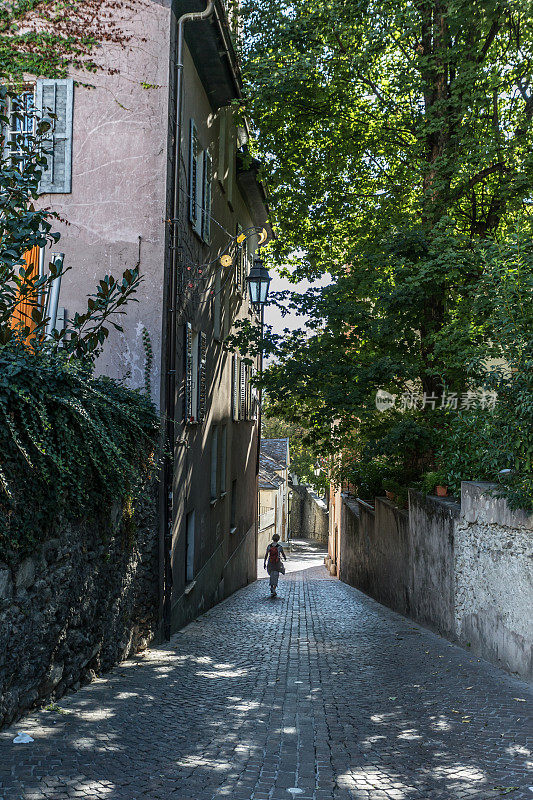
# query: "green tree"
[398,143]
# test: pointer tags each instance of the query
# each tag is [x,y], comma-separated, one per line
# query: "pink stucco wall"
[116,208]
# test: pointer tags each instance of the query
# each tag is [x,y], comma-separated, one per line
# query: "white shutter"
[235,388]
[221,169]
[242,391]
[254,397]
[223,457]
[214,462]
[217,307]
[202,362]
[188,411]
[206,194]
[232,155]
[56,97]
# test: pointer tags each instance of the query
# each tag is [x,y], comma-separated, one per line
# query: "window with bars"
[21,128]
[53,98]
[200,180]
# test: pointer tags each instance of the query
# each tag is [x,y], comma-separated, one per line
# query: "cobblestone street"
[318,694]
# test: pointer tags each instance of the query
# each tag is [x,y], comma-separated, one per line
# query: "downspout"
[171,332]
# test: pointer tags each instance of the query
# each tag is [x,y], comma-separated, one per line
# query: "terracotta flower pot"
[442,491]
[389,495]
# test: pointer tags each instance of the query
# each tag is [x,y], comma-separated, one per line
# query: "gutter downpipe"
[170,378]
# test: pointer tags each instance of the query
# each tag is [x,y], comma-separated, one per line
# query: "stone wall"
[308,517]
[463,570]
[374,551]
[494,580]
[81,603]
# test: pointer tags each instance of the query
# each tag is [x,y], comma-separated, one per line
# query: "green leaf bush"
[72,445]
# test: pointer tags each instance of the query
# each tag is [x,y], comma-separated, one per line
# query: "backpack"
[273,555]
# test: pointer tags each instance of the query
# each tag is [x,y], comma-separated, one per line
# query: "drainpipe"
[169,410]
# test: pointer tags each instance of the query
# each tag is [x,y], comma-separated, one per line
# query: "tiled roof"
[276,449]
[268,480]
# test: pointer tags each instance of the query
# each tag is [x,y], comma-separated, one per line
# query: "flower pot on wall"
[390,495]
[442,491]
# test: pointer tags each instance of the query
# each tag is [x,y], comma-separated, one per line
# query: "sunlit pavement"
[321,693]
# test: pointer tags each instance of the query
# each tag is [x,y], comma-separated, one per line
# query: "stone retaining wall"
[81,603]
[309,517]
[463,570]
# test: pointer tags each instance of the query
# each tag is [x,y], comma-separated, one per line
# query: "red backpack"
[273,555]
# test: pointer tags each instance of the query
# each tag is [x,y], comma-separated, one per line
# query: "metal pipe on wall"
[52,301]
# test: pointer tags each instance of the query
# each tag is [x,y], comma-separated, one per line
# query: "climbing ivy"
[47,37]
[72,445]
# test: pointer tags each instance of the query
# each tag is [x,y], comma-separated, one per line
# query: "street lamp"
[258,282]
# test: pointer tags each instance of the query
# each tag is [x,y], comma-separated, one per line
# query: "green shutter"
[193,166]
[188,373]
[202,366]
[56,97]
[206,204]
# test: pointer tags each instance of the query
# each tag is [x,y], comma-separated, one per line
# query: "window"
[232,155]
[21,128]
[233,513]
[254,397]
[223,458]
[221,168]
[243,384]
[217,308]
[189,547]
[202,388]
[195,375]
[235,388]
[54,98]
[214,463]
[200,178]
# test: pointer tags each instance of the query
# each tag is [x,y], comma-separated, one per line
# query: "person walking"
[273,563]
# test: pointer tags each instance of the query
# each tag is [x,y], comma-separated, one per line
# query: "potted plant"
[392,489]
[435,482]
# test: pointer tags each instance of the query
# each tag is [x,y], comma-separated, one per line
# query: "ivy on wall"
[47,37]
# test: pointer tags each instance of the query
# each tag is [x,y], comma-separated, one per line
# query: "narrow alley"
[319,694]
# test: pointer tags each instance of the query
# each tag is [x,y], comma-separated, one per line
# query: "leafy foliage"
[72,444]
[398,146]
[47,37]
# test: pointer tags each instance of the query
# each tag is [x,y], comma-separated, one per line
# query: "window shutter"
[242,391]
[188,372]
[221,170]
[57,97]
[206,205]
[193,177]
[232,155]
[202,363]
[223,457]
[254,397]
[217,307]
[235,388]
